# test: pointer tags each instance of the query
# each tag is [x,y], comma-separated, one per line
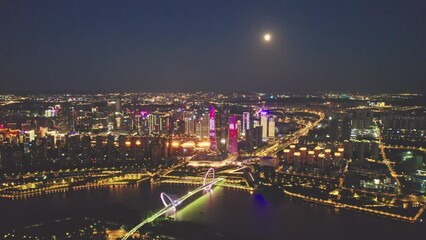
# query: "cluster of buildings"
[42,132]
[315,159]
[25,150]
[68,129]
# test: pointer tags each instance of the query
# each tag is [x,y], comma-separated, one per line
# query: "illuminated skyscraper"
[152,119]
[118,105]
[241,132]
[246,121]
[212,130]
[233,135]
[202,126]
[264,124]
[189,119]
[256,123]
[118,121]
[158,123]
[271,128]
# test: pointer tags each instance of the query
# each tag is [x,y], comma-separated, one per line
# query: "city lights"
[213,120]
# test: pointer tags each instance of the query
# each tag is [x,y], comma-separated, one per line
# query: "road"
[278,145]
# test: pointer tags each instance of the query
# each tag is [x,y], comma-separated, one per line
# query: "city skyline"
[80,157]
[213,120]
[360,46]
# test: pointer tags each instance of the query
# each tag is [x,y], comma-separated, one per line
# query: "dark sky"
[216,45]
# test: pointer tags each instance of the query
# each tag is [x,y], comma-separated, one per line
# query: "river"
[262,215]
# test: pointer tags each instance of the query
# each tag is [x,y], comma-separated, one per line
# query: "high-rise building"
[258,136]
[118,105]
[333,128]
[253,138]
[264,124]
[346,129]
[202,126]
[233,135]
[246,121]
[118,117]
[164,127]
[249,133]
[189,120]
[256,123]
[51,112]
[362,119]
[152,119]
[86,148]
[158,123]
[271,128]
[241,132]
[212,131]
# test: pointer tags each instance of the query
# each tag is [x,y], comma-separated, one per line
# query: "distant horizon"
[203,91]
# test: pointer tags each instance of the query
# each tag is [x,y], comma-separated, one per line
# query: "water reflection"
[263,215]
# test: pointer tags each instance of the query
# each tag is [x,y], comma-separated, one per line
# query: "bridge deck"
[168,208]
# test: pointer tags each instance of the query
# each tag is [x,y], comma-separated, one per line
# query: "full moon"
[267,37]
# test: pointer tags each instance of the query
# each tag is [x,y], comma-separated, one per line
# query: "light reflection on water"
[258,216]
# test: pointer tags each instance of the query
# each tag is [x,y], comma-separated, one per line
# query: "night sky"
[217,45]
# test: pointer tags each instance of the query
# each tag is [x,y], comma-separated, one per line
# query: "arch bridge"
[171,204]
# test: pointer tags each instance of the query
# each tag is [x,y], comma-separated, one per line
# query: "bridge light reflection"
[173,203]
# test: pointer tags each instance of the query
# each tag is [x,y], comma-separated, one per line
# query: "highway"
[278,146]
[358,208]
[405,148]
[386,160]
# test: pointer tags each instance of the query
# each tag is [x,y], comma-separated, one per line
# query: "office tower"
[333,128]
[73,146]
[212,130]
[253,138]
[159,123]
[258,136]
[271,128]
[86,148]
[118,117]
[233,135]
[189,120]
[202,126]
[246,121]
[118,105]
[152,119]
[264,124]
[164,123]
[118,122]
[249,133]
[256,123]
[346,129]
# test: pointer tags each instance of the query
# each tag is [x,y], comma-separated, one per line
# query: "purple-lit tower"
[212,131]
[233,136]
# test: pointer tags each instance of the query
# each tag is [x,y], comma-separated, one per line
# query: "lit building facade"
[212,131]
[264,124]
[246,121]
[233,135]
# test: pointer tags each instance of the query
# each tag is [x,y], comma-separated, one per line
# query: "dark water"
[236,213]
